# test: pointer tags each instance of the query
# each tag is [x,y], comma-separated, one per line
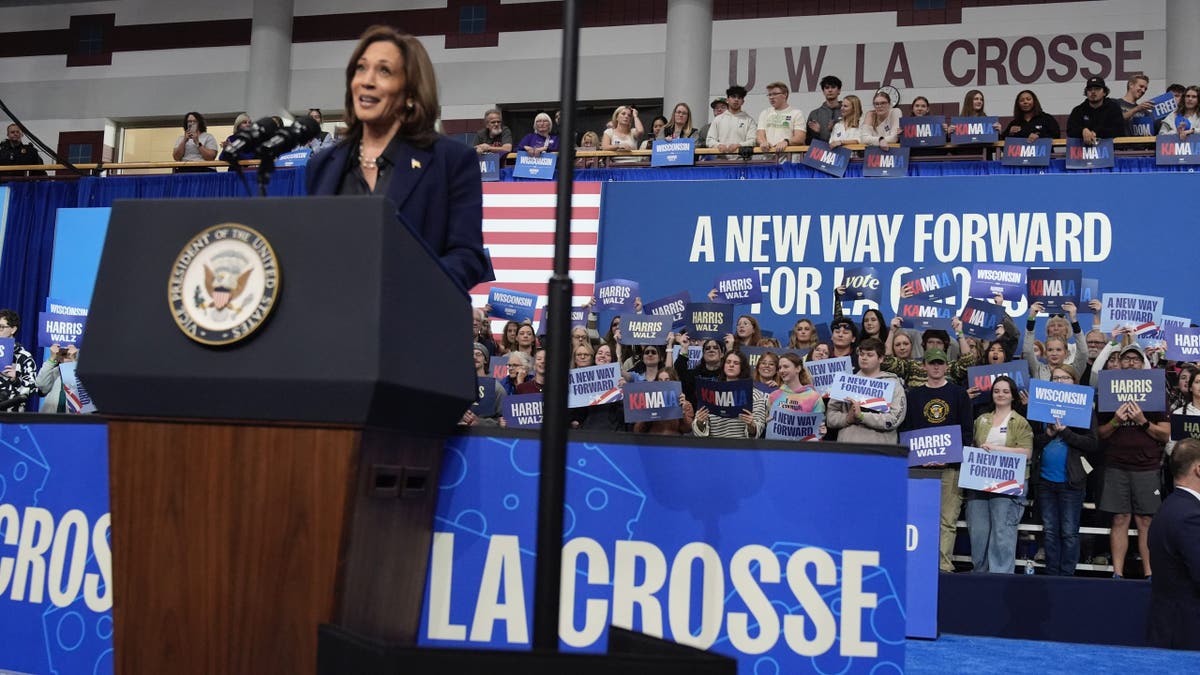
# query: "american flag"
[518,232]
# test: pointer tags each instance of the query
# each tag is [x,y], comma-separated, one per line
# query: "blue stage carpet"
[977,655]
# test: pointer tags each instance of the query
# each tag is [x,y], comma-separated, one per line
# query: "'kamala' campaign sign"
[60,329]
[1024,152]
[880,163]
[499,367]
[673,306]
[1145,387]
[594,385]
[7,345]
[1142,313]
[1053,287]
[935,282]
[1171,150]
[792,425]
[1164,104]
[934,445]
[1070,404]
[994,471]
[925,314]
[485,397]
[512,305]
[1185,426]
[1081,156]
[725,399]
[709,320]
[990,279]
[862,283]
[982,377]
[1183,344]
[673,152]
[538,168]
[922,132]
[825,159]
[640,329]
[1089,289]
[1141,125]
[967,130]
[523,411]
[825,371]
[617,295]
[489,167]
[743,287]
[871,393]
[980,318]
[652,401]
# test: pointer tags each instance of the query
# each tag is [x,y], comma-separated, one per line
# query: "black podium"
[265,487]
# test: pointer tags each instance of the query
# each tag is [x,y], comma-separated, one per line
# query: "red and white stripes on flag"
[518,232]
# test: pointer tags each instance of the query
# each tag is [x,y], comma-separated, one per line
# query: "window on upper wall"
[79,153]
[91,40]
[929,4]
[472,19]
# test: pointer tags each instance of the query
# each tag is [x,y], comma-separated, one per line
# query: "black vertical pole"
[552,482]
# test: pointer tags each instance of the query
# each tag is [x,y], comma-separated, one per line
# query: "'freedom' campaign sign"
[993,471]
[1145,387]
[934,445]
[1070,404]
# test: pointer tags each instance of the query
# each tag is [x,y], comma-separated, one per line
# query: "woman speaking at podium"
[392,149]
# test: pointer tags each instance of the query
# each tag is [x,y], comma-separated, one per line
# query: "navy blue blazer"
[436,191]
[1174,620]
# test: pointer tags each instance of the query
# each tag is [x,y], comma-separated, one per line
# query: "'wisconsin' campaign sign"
[981,318]
[871,393]
[862,283]
[7,345]
[825,159]
[922,132]
[673,306]
[743,287]
[594,385]
[934,445]
[825,371]
[1082,156]
[60,329]
[652,401]
[990,279]
[512,305]
[709,320]
[934,282]
[523,411]
[1053,287]
[880,163]
[725,399]
[1024,152]
[925,314]
[1183,344]
[489,167]
[967,130]
[617,295]
[791,425]
[983,376]
[642,329]
[673,152]
[1185,426]
[1163,105]
[538,168]
[1142,313]
[994,471]
[1051,402]
[1171,150]
[294,158]
[1145,387]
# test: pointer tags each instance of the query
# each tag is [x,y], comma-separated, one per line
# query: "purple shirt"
[536,141]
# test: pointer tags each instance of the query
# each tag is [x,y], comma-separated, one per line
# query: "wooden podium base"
[232,543]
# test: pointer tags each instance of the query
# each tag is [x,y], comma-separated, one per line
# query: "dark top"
[1045,126]
[536,141]
[946,405]
[436,191]
[669,131]
[17,154]
[1174,620]
[1131,448]
[1106,121]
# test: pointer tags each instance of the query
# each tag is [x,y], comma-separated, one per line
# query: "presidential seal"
[223,284]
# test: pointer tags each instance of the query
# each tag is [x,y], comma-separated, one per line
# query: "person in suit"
[1174,621]
[392,149]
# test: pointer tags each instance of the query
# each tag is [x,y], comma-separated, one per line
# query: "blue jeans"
[1061,507]
[992,523]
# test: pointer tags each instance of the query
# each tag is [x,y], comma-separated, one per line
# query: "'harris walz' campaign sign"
[673,152]
[825,159]
[880,163]
[922,132]
[1171,150]
[934,445]
[512,305]
[642,329]
[673,306]
[925,314]
[934,282]
[825,371]
[1142,313]
[594,385]
[871,393]
[523,411]
[1183,344]
[725,399]
[618,295]
[652,401]
[981,318]
[1024,152]
[1185,426]
[1054,287]
[537,168]
[743,287]
[60,329]
[995,471]
[709,320]
[1070,404]
[968,130]
[1145,387]
[7,345]
[991,279]
[1082,156]
[982,377]
[862,283]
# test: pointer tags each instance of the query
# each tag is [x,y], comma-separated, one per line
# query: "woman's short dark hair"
[1037,105]
[201,125]
[420,86]
[744,373]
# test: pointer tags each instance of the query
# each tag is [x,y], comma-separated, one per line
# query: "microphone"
[251,137]
[303,130]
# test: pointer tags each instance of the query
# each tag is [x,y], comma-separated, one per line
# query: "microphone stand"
[266,165]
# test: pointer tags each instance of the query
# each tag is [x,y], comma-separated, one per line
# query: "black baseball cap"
[1096,83]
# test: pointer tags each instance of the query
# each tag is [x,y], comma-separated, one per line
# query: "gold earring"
[409,104]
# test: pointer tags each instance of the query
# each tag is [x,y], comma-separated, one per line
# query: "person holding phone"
[195,145]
